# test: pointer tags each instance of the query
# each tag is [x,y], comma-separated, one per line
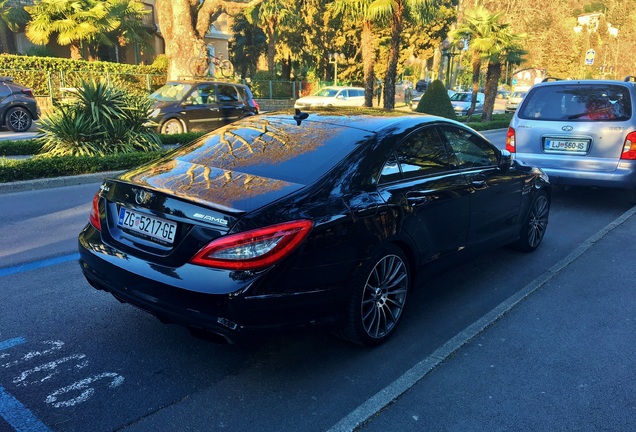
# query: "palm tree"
[395,12]
[12,19]
[129,13]
[359,9]
[480,28]
[505,50]
[270,14]
[75,22]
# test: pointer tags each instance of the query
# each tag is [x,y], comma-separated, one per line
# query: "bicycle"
[200,65]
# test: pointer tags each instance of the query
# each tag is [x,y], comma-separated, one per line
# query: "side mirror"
[505,160]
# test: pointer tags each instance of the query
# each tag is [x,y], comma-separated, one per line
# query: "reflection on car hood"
[229,191]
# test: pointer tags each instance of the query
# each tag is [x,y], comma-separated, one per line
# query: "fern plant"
[99,120]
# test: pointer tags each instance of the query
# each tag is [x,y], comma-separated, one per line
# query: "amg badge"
[209,218]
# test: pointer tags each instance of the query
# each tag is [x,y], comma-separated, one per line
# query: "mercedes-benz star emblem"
[142,197]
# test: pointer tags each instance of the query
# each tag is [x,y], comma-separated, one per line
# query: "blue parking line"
[10,343]
[7,271]
[18,416]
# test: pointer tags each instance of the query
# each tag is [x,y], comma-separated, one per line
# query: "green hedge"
[46,75]
[32,147]
[181,138]
[20,147]
[28,169]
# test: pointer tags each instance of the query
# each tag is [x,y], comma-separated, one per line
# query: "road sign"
[589,57]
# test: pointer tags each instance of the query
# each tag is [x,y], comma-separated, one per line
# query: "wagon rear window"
[569,102]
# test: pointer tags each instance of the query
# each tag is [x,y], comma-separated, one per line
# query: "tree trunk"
[475,86]
[7,39]
[271,46]
[76,51]
[368,62]
[492,79]
[181,43]
[397,22]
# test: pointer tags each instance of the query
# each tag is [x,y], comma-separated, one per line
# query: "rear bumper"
[222,306]
[623,177]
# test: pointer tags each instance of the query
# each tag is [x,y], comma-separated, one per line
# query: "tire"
[199,66]
[533,229]
[378,299]
[172,126]
[18,119]
[227,68]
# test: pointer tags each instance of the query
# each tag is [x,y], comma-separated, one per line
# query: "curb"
[30,185]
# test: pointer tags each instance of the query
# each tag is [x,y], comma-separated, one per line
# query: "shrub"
[435,101]
[41,167]
[180,138]
[99,119]
[19,147]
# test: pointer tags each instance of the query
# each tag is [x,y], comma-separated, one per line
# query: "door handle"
[415,198]
[479,183]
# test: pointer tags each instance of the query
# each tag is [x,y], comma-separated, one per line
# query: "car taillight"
[94,217]
[28,92]
[255,105]
[255,249]
[511,141]
[629,148]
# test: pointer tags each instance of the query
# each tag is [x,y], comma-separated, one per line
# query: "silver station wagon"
[579,132]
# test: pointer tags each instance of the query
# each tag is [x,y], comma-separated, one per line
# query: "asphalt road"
[74,359]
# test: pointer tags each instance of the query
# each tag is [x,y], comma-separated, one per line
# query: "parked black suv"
[18,107]
[184,106]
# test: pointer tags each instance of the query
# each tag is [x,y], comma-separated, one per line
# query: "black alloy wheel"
[533,230]
[19,119]
[378,299]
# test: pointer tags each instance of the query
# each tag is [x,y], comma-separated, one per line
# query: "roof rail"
[630,78]
[203,78]
[548,79]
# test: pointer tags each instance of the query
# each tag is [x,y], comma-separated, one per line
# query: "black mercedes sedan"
[293,220]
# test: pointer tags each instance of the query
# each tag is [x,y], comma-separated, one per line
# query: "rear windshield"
[578,102]
[275,148]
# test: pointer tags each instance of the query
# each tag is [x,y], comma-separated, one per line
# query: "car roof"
[584,82]
[362,118]
[342,87]
[194,82]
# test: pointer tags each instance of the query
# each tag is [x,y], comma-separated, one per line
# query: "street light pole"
[448,51]
[333,58]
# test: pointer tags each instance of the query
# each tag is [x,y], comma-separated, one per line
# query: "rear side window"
[470,150]
[584,102]
[227,93]
[421,153]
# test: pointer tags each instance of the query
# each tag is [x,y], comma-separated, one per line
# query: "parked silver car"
[514,100]
[332,96]
[461,102]
[579,132]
